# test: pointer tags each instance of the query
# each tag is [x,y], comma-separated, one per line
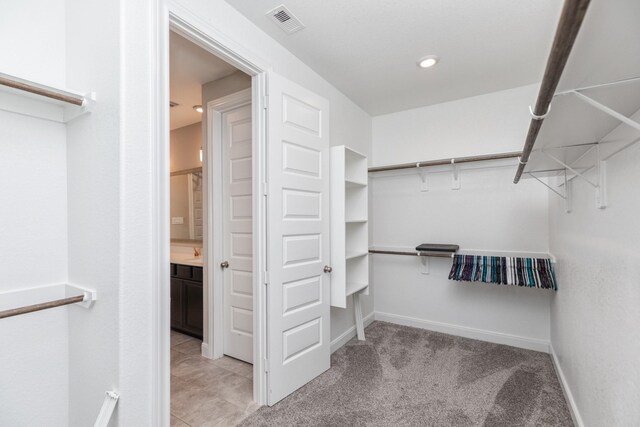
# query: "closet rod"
[416,253]
[42,90]
[453,160]
[41,306]
[573,13]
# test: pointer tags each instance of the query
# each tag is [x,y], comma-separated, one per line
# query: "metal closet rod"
[573,13]
[41,306]
[449,161]
[42,90]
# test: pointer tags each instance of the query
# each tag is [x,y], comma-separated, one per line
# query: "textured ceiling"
[368,48]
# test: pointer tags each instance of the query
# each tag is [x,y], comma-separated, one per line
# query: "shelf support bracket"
[601,190]
[455,183]
[424,260]
[424,178]
[624,119]
[547,185]
[566,166]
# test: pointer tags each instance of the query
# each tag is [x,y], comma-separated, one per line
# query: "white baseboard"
[350,333]
[206,351]
[573,408]
[464,331]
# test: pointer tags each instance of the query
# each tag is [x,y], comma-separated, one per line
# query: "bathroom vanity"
[186,299]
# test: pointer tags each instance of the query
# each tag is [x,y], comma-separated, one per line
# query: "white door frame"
[215,109]
[172,16]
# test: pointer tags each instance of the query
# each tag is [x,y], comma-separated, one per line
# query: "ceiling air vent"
[285,19]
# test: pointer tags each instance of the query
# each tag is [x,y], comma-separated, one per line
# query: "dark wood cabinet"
[186,299]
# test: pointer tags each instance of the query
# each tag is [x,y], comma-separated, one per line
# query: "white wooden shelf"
[595,110]
[351,255]
[349,231]
[354,184]
[353,287]
[41,101]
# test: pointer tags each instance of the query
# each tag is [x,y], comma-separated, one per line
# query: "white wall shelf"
[582,121]
[41,101]
[349,230]
[23,301]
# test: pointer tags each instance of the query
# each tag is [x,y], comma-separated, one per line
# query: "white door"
[298,244]
[237,230]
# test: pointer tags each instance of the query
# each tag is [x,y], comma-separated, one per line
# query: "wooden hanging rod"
[573,13]
[42,90]
[41,306]
[453,160]
[415,253]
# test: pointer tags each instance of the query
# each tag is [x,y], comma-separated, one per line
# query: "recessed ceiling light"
[428,61]
[198,108]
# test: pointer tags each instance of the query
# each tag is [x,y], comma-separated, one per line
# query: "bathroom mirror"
[186,206]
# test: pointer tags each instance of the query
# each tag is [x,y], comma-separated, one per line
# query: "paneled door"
[237,230]
[298,223]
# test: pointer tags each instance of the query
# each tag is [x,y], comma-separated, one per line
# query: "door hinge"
[265,361]
[265,189]
[265,101]
[266,278]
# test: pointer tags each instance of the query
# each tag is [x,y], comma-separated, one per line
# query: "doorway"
[291,313]
[211,190]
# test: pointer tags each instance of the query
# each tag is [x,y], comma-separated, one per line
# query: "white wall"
[33,223]
[488,213]
[594,317]
[185,147]
[349,125]
[94,191]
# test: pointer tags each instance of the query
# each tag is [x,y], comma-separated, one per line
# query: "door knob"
[328,269]
[224,264]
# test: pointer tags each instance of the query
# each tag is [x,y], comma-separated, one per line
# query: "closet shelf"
[38,100]
[355,221]
[353,287]
[584,114]
[447,161]
[405,251]
[355,254]
[354,184]
[24,301]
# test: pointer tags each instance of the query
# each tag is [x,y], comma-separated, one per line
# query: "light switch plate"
[176,220]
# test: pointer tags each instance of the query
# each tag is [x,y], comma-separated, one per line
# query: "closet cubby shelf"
[33,99]
[352,254]
[349,242]
[581,120]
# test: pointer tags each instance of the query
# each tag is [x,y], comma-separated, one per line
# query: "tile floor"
[207,392]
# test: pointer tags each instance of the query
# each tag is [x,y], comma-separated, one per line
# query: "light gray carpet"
[403,376]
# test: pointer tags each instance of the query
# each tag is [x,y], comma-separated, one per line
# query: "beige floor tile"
[203,408]
[190,346]
[178,338]
[177,357]
[236,366]
[177,422]
[231,420]
[235,389]
[199,371]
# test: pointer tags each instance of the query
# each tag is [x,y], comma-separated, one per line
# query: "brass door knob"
[328,269]
[224,264]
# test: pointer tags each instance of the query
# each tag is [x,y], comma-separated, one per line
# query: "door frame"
[215,109]
[173,17]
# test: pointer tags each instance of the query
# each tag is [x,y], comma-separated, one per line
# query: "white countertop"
[186,259]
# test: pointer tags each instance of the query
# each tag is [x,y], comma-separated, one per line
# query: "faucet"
[196,252]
